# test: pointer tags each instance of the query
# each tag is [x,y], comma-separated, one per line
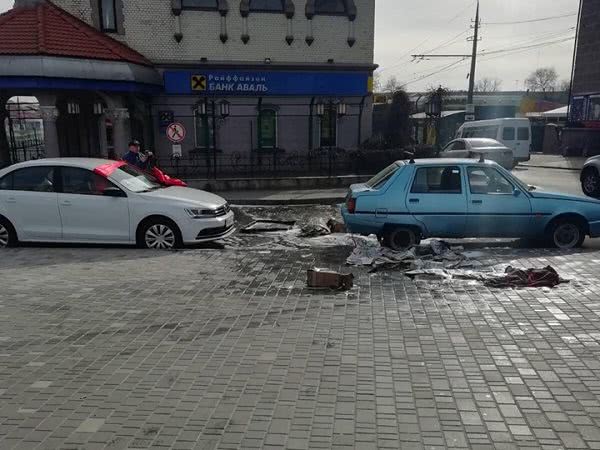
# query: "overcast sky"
[405,27]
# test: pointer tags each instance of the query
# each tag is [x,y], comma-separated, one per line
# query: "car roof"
[481,140]
[84,163]
[447,161]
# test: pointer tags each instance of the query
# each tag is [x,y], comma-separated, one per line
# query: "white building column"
[49,115]
[119,118]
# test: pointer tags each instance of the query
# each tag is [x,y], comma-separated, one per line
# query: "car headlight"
[197,213]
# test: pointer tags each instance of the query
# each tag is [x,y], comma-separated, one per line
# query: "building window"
[108,16]
[209,5]
[331,7]
[329,127]
[594,108]
[268,128]
[277,6]
[203,125]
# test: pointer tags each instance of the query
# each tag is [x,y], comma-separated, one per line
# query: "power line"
[404,55]
[444,69]
[541,19]
[540,44]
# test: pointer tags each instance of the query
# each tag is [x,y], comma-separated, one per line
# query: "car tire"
[401,238]
[159,234]
[8,236]
[590,182]
[567,234]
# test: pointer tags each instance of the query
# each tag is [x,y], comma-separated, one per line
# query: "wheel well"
[153,218]
[570,216]
[390,226]
[586,170]
[9,224]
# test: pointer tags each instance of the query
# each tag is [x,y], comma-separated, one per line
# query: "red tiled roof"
[46,29]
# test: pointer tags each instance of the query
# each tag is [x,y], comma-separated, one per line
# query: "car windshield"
[135,180]
[382,177]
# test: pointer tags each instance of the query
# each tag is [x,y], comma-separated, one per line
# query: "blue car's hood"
[558,196]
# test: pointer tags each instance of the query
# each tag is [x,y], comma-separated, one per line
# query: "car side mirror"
[113,192]
[516,192]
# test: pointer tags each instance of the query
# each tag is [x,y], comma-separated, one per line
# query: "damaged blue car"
[458,198]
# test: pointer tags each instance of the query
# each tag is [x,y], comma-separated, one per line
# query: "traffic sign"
[469,117]
[176,132]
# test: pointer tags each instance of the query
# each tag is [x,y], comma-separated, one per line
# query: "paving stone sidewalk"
[128,349]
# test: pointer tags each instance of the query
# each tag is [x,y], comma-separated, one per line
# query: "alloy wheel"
[567,235]
[160,237]
[590,183]
[4,236]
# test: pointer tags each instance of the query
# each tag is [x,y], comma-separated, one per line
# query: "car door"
[88,215]
[29,199]
[497,206]
[437,200]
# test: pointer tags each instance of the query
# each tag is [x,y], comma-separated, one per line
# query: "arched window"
[108,16]
[331,7]
[267,6]
[203,127]
[267,128]
[329,127]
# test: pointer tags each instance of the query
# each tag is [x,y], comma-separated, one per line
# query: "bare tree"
[564,86]
[543,79]
[377,83]
[487,84]
[392,85]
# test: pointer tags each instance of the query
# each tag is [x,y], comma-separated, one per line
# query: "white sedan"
[490,149]
[84,200]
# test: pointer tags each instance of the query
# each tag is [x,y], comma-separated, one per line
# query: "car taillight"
[351,205]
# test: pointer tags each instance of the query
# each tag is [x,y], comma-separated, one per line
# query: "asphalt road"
[555,180]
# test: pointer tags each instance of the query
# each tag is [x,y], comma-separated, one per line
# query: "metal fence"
[277,164]
[25,150]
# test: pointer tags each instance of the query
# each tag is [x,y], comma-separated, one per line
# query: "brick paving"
[207,348]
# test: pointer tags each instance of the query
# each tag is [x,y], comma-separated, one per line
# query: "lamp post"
[224,111]
[434,110]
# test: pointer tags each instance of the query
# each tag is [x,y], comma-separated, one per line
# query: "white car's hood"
[187,195]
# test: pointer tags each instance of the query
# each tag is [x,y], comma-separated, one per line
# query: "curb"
[288,202]
[550,167]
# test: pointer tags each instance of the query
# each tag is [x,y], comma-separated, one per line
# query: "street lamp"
[201,109]
[73,108]
[224,109]
[98,108]
[320,109]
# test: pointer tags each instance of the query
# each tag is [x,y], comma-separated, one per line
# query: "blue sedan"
[457,198]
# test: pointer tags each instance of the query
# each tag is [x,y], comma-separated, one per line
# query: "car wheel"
[567,234]
[590,182]
[401,238]
[160,235]
[8,237]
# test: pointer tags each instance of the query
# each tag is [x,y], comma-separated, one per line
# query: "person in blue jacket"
[135,157]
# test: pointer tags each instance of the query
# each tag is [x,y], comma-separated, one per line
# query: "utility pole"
[474,58]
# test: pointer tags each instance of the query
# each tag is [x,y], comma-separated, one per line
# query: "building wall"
[587,68]
[238,133]
[149,26]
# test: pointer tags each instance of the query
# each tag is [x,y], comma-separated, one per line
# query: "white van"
[513,133]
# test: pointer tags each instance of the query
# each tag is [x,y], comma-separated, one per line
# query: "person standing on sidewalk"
[135,157]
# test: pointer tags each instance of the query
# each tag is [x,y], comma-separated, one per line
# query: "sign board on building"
[176,132]
[176,151]
[165,118]
[469,117]
[262,83]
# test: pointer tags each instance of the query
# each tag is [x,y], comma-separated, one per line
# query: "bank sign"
[239,83]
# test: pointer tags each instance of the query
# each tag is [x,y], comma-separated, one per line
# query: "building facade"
[243,77]
[585,102]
